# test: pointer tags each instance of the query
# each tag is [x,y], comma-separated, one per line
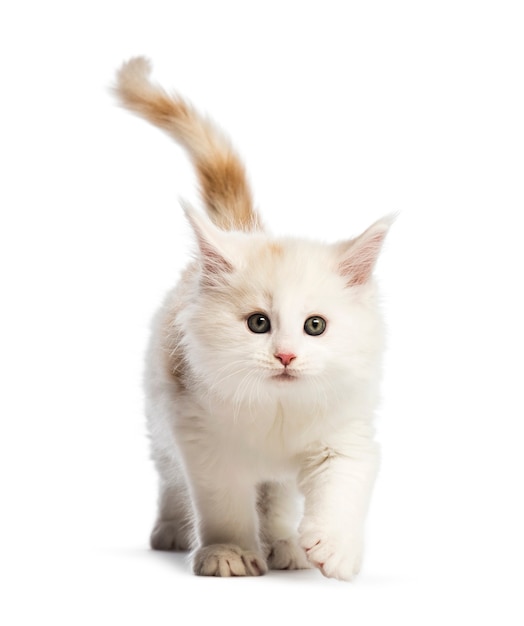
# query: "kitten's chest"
[271,438]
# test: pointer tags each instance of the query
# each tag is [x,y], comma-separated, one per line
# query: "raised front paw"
[224,559]
[336,556]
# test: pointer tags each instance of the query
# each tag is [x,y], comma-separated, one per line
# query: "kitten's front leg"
[337,480]
[225,504]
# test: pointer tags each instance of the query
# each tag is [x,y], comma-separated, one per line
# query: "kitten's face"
[280,318]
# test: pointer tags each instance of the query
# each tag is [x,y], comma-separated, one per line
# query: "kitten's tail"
[222,177]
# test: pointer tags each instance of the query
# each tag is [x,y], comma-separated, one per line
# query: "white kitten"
[261,376]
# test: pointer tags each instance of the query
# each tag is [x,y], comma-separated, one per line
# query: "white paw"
[170,535]
[224,559]
[287,554]
[336,556]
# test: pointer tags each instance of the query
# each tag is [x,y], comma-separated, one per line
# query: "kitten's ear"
[215,261]
[358,256]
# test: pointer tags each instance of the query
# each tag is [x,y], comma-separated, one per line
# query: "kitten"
[261,377]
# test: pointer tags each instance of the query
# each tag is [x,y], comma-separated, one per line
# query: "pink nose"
[285,358]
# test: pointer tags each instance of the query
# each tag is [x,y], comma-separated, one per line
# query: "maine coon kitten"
[261,377]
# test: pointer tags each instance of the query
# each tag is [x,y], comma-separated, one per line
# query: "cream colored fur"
[264,460]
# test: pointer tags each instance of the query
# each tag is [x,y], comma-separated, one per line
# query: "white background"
[343,111]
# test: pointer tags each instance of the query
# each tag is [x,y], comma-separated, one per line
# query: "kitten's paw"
[336,557]
[170,535]
[223,559]
[287,554]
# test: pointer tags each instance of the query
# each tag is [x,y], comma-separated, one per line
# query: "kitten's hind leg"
[279,507]
[173,528]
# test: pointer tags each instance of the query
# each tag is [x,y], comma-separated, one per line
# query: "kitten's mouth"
[285,375]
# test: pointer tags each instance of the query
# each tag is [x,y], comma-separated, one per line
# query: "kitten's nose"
[285,357]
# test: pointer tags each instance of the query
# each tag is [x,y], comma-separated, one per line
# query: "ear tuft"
[215,263]
[360,255]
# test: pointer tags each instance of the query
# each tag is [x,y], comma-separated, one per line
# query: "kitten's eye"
[315,325]
[258,323]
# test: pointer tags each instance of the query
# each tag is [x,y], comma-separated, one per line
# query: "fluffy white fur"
[263,464]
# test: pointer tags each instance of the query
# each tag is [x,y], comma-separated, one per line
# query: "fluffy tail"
[222,177]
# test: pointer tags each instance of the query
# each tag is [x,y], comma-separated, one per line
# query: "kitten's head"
[284,316]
